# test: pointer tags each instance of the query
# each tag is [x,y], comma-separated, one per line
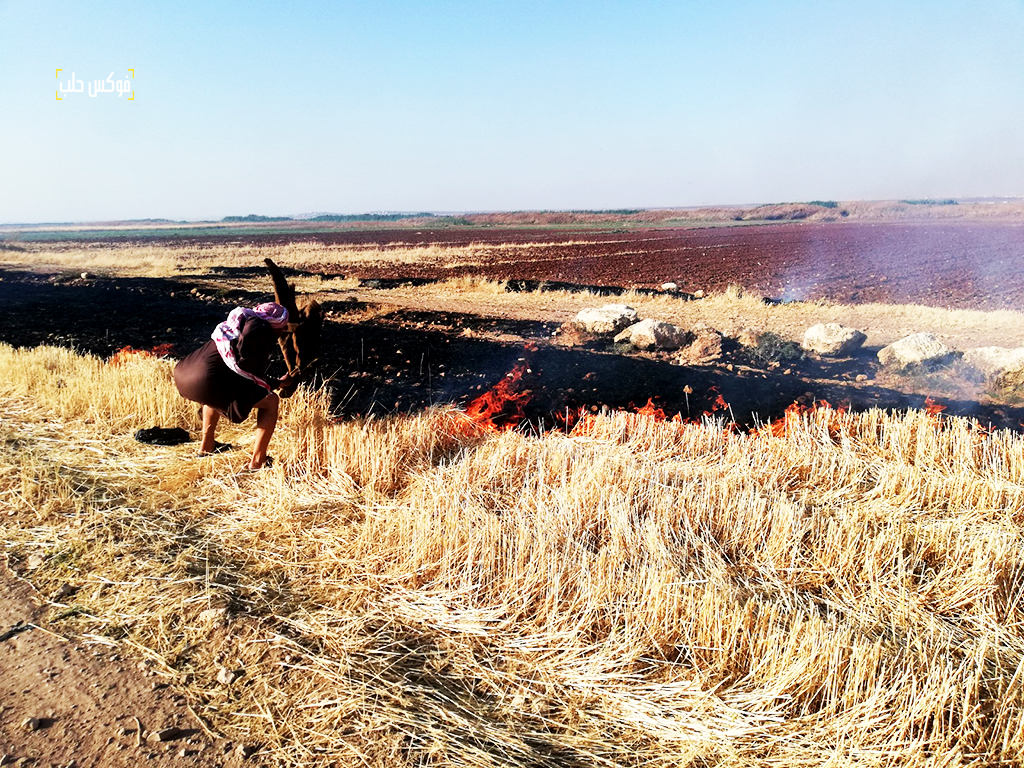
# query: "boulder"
[705,348]
[917,350]
[833,340]
[670,287]
[606,320]
[749,337]
[993,361]
[654,334]
[1001,366]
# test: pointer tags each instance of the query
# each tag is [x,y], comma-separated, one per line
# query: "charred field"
[385,354]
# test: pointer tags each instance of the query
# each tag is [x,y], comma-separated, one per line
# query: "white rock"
[1004,368]
[670,287]
[992,361]
[918,349]
[606,320]
[833,340]
[654,334]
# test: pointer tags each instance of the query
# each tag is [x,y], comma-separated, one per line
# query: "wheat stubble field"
[416,588]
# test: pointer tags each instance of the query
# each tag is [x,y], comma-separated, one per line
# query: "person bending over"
[227,376]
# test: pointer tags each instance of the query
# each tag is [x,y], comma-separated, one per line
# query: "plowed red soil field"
[954,264]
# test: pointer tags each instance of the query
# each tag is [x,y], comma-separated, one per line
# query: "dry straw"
[417,591]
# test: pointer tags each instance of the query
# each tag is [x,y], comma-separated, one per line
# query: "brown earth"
[954,265]
[957,264]
[389,357]
[66,702]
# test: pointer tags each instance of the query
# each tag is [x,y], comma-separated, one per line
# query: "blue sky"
[349,107]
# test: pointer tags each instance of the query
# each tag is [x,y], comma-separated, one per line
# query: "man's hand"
[289,380]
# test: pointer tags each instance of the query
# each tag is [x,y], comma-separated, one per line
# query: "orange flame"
[656,413]
[125,354]
[502,406]
[718,404]
[797,410]
[932,407]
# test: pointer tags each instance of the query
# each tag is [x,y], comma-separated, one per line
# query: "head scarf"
[227,333]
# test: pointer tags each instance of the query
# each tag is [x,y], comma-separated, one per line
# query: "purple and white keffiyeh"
[229,331]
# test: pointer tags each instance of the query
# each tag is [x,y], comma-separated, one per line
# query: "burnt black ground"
[407,360]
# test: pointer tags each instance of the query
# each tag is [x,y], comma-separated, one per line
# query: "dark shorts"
[204,378]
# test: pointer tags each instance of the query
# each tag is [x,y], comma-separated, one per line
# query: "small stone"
[227,676]
[699,293]
[862,377]
[670,287]
[34,561]
[31,723]
[85,275]
[166,734]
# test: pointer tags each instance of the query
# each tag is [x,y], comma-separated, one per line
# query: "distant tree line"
[252,217]
[371,216]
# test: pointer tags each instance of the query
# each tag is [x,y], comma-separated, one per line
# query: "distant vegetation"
[371,216]
[605,212]
[253,217]
[825,203]
[928,201]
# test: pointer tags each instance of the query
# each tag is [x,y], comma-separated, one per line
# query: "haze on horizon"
[352,107]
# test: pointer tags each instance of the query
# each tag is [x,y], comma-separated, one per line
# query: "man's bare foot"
[217,448]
